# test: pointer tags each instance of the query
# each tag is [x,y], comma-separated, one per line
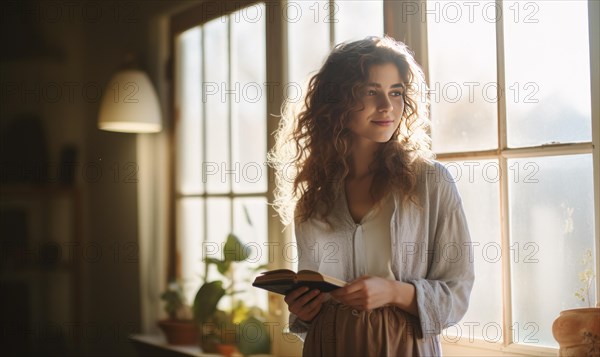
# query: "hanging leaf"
[223,267]
[206,300]
[234,250]
[247,214]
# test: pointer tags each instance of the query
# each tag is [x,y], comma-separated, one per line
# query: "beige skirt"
[339,330]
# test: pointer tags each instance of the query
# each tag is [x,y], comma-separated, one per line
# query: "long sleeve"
[443,295]
[306,260]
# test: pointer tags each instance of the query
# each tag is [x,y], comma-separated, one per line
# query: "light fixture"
[130,104]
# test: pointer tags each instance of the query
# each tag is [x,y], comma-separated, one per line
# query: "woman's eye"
[371,92]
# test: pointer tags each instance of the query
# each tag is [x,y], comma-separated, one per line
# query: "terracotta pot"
[577,332]
[226,350]
[179,332]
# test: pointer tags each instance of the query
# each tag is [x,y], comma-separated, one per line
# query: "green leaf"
[223,268]
[222,265]
[206,300]
[247,214]
[254,337]
[234,250]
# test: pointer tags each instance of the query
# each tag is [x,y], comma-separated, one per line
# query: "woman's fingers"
[365,293]
[313,307]
[295,294]
[353,287]
[303,303]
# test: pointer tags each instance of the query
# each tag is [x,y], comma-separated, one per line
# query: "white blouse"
[372,242]
[430,248]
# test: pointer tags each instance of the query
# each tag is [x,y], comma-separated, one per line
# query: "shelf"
[12,190]
[39,226]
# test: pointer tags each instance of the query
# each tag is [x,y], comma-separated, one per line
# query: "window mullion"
[332,20]
[501,79]
[410,29]
[502,161]
[505,248]
[521,152]
[594,25]
[548,150]
[230,118]
[204,135]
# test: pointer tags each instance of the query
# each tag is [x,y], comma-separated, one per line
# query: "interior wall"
[42,111]
[56,59]
[114,288]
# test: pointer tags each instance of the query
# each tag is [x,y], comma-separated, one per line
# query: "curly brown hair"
[311,156]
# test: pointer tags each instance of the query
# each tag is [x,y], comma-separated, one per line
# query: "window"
[319,25]
[511,112]
[221,181]
[221,126]
[510,104]
[221,121]
[340,21]
[221,98]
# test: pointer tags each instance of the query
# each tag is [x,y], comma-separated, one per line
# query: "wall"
[113,290]
[77,45]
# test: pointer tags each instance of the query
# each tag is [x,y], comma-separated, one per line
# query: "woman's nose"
[385,104]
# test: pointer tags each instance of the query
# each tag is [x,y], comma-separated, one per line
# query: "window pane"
[218,216]
[215,93]
[462,69]
[307,29]
[190,230]
[249,125]
[250,225]
[189,106]
[478,184]
[552,226]
[354,20]
[547,72]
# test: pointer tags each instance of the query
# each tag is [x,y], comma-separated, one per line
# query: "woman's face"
[382,97]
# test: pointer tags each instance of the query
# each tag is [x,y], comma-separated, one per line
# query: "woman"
[372,208]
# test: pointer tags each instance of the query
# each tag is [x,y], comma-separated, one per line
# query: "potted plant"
[577,331]
[179,328]
[227,331]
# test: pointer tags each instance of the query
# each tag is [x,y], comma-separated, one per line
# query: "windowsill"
[159,343]
[482,348]
[156,345]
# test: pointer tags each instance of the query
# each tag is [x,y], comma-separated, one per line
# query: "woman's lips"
[383,122]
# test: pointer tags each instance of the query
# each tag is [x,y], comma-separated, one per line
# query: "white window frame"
[413,31]
[199,16]
[278,235]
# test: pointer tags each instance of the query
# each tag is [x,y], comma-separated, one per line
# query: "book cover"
[282,281]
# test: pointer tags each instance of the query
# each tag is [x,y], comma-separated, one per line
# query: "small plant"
[175,302]
[220,327]
[586,277]
[179,328]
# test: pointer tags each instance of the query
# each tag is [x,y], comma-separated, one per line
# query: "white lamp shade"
[130,104]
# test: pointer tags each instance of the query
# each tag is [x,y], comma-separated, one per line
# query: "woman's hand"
[371,292]
[305,304]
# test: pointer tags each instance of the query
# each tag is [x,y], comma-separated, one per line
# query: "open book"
[282,281]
